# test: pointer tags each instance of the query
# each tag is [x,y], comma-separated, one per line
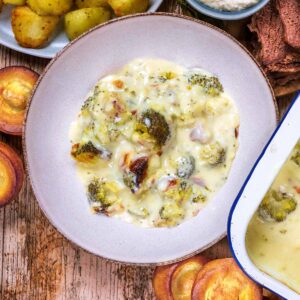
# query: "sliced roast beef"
[289,11]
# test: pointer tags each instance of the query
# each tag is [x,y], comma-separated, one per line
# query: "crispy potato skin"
[162,281]
[184,276]
[16,162]
[223,279]
[8,182]
[16,84]
[81,20]
[127,7]
[91,3]
[30,29]
[50,7]
[14,2]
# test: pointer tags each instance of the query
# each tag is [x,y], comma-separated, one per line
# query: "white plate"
[7,37]
[258,182]
[59,96]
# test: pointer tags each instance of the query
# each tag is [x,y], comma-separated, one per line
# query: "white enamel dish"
[257,183]
[60,93]
[7,37]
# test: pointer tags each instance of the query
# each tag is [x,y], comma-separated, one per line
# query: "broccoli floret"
[213,153]
[88,153]
[296,156]
[180,192]
[185,166]
[276,206]
[210,84]
[171,214]
[155,125]
[104,194]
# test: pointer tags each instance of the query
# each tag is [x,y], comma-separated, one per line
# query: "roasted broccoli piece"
[296,157]
[210,84]
[155,125]
[276,206]
[180,192]
[213,153]
[185,166]
[136,173]
[103,194]
[171,213]
[88,153]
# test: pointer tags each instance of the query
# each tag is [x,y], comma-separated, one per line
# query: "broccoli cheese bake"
[272,238]
[154,142]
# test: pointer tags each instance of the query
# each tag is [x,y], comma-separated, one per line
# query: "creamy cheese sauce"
[230,5]
[154,142]
[274,245]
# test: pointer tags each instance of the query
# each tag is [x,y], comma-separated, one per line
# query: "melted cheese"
[202,123]
[274,247]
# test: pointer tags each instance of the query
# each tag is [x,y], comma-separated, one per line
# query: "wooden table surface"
[37,263]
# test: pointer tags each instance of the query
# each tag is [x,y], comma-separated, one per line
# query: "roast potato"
[81,20]
[127,7]
[91,3]
[14,2]
[50,7]
[30,29]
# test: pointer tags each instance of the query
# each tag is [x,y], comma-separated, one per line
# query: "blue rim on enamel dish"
[227,15]
[260,277]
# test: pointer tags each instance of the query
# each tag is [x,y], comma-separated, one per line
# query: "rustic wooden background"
[37,263]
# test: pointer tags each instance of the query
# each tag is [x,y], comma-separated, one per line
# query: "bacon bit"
[198,181]
[118,84]
[172,182]
[118,107]
[297,189]
[159,153]
[236,132]
[139,168]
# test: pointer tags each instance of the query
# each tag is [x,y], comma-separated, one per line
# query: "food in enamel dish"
[200,278]
[272,238]
[16,85]
[229,5]
[154,142]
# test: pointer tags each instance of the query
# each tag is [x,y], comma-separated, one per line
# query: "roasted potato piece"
[223,279]
[128,7]
[14,2]
[30,29]
[16,84]
[8,180]
[16,162]
[91,3]
[162,282]
[184,277]
[81,20]
[50,7]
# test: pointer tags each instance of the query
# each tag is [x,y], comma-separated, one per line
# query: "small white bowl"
[227,15]
[257,183]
